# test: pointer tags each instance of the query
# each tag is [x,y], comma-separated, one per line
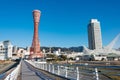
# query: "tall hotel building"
[94,35]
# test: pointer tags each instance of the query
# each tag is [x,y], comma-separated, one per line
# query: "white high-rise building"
[94,35]
[5,50]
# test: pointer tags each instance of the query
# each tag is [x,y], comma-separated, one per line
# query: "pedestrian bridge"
[33,70]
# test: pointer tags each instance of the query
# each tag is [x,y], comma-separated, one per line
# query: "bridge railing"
[14,74]
[70,72]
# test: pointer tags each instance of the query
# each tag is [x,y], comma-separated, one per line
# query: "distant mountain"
[72,49]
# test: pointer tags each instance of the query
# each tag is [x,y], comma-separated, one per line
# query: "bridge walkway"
[28,72]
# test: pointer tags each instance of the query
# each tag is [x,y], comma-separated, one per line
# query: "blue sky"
[63,22]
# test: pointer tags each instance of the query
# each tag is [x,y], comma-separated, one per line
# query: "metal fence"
[70,72]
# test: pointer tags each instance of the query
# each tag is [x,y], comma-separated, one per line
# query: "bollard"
[78,77]
[96,74]
[66,73]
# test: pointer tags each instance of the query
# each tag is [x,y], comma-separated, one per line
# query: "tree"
[62,57]
[51,57]
[71,58]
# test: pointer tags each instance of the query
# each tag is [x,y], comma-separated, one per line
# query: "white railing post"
[40,66]
[53,69]
[43,67]
[58,70]
[96,74]
[49,68]
[46,67]
[33,63]
[78,75]
[66,73]
[37,65]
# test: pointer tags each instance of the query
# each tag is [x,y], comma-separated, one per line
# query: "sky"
[63,23]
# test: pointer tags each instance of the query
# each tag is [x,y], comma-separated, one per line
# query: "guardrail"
[14,74]
[70,72]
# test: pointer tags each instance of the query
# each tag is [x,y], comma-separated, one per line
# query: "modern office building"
[5,50]
[94,35]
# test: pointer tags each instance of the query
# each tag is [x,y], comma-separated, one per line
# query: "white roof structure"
[94,20]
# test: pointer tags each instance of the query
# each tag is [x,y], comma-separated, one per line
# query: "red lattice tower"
[35,51]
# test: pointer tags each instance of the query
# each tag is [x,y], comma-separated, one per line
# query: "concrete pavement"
[27,74]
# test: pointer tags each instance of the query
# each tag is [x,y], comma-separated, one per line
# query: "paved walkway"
[28,74]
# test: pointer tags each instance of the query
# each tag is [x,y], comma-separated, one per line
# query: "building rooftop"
[93,20]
